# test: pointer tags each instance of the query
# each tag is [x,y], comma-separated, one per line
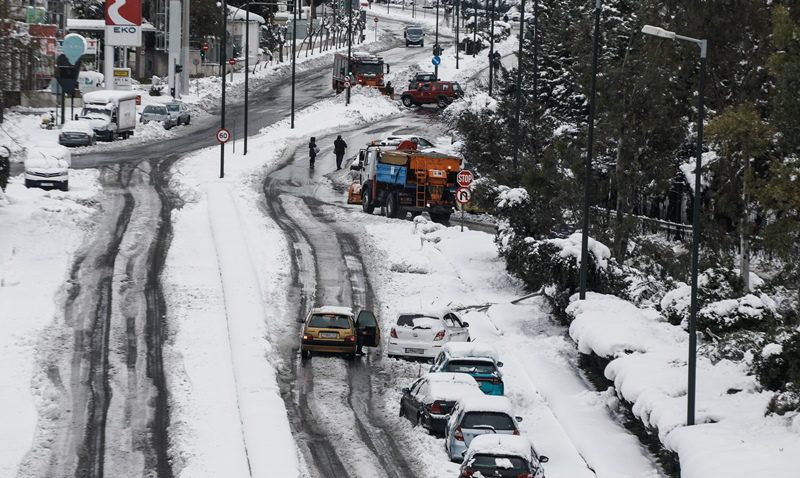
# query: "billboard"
[124,22]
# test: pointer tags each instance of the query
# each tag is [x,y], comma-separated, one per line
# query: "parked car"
[180,112]
[160,114]
[502,456]
[77,133]
[431,398]
[424,335]
[414,35]
[477,415]
[335,330]
[479,360]
[48,167]
[440,93]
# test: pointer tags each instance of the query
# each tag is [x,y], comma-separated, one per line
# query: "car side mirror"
[406,390]
[499,364]
[387,69]
[466,324]
[518,419]
[543,459]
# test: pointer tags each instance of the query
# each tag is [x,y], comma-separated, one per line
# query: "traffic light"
[178,68]
[203,55]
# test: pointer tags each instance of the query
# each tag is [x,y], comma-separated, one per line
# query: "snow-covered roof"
[108,96]
[48,157]
[240,15]
[451,386]
[499,444]
[486,403]
[332,309]
[86,24]
[77,127]
[471,350]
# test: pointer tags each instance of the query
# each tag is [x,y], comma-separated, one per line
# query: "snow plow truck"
[366,70]
[404,180]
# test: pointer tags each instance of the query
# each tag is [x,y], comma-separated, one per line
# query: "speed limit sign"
[223,135]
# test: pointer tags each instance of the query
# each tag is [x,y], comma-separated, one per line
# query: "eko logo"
[123,12]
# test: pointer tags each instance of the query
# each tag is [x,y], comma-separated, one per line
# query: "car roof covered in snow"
[332,309]
[451,386]
[78,126]
[499,444]
[471,350]
[108,96]
[48,157]
[486,403]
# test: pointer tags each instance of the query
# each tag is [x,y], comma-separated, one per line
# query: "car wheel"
[442,102]
[422,44]
[64,186]
[407,101]
[188,120]
[407,44]
[366,201]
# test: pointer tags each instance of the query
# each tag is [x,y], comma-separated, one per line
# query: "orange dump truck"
[405,180]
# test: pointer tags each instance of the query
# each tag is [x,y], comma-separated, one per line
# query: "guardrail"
[673,230]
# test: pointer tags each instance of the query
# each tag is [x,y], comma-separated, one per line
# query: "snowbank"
[648,367]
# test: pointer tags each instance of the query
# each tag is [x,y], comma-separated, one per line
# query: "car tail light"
[458,435]
[525,475]
[436,407]
[439,335]
[466,473]
[516,432]
[394,333]
[352,338]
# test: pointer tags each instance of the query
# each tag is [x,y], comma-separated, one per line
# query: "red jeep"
[440,93]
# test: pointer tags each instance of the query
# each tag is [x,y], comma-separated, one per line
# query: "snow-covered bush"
[714,284]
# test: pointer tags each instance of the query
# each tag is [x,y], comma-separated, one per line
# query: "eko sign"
[124,22]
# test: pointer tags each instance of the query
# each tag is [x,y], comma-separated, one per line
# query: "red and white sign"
[346,83]
[223,135]
[232,61]
[465,178]
[463,195]
[375,20]
[124,22]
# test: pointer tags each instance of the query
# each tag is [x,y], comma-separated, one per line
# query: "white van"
[48,168]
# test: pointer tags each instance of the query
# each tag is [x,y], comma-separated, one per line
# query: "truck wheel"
[407,101]
[442,102]
[441,218]
[392,206]
[366,200]
[64,186]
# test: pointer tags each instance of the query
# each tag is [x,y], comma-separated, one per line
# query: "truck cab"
[365,70]
[404,180]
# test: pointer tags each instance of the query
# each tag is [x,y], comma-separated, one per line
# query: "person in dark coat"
[313,149]
[339,146]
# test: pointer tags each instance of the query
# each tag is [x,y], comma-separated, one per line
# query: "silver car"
[158,113]
[180,111]
[477,415]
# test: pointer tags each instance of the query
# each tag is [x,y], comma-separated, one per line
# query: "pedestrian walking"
[339,147]
[313,149]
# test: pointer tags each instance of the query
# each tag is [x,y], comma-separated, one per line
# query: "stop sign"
[205,46]
[232,61]
[465,178]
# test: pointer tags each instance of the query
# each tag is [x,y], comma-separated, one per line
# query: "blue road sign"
[74,47]
[436,60]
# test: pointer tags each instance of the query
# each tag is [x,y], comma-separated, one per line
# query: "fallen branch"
[483,307]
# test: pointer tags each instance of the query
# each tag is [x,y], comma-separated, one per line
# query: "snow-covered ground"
[40,232]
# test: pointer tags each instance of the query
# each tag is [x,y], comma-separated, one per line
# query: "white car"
[48,168]
[395,140]
[503,455]
[422,335]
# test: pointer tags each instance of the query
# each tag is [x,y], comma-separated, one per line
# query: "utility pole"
[436,51]
[515,160]
[185,61]
[458,14]
[491,52]
[475,30]
[247,70]
[294,56]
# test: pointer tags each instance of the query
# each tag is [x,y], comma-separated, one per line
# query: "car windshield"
[415,31]
[506,462]
[329,321]
[174,108]
[94,112]
[159,110]
[369,69]
[488,420]
[418,321]
[471,366]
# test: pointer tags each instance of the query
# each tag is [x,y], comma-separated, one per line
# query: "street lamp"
[223,59]
[436,42]
[703,44]
[349,46]
[294,56]
[587,181]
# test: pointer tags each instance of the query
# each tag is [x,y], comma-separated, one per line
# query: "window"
[174,108]
[417,321]
[508,462]
[448,319]
[445,87]
[471,366]
[495,420]
[329,321]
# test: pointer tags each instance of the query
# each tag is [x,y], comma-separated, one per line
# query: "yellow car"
[336,330]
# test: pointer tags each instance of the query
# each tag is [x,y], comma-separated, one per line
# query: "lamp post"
[491,51]
[349,46]
[458,12]
[518,92]
[475,29]
[587,181]
[247,66]
[692,364]
[223,59]
[294,56]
